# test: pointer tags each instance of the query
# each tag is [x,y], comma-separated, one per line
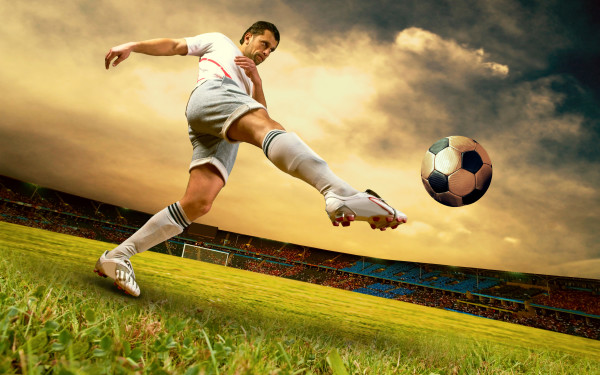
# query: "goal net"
[205,254]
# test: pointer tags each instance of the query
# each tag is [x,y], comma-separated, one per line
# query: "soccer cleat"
[366,206]
[121,271]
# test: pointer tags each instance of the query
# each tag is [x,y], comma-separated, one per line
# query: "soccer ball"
[456,171]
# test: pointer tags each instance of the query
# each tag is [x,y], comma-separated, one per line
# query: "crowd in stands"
[430,298]
[512,291]
[286,252]
[309,275]
[337,264]
[574,300]
[267,267]
[347,281]
[48,220]
[494,309]
[111,233]
[504,305]
[570,300]
[575,327]
[88,219]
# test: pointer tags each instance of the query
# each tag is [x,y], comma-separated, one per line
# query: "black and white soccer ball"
[456,171]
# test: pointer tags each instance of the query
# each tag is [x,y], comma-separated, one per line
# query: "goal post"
[205,254]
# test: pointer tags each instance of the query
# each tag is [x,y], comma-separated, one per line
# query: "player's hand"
[249,67]
[120,52]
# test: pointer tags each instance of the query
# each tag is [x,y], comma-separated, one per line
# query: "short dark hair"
[258,28]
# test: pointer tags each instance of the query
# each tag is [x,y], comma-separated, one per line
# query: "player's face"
[259,47]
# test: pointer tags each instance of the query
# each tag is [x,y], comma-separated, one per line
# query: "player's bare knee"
[252,127]
[203,207]
[196,208]
[274,125]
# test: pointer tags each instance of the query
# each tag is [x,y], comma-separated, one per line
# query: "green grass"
[57,316]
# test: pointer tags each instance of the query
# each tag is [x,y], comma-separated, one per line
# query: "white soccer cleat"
[121,271]
[365,206]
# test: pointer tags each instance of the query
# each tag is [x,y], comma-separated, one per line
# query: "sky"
[368,85]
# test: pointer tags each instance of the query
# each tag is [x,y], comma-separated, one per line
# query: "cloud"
[512,240]
[423,90]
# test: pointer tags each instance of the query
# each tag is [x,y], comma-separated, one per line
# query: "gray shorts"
[212,107]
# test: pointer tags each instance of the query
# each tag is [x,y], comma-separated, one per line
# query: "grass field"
[57,316]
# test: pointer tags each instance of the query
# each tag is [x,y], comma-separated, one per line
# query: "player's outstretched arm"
[153,47]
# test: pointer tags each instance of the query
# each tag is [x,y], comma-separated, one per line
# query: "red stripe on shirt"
[216,63]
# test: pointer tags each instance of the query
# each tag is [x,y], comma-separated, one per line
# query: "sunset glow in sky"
[368,85]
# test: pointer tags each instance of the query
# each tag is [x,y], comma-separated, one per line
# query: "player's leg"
[204,185]
[290,154]
[207,111]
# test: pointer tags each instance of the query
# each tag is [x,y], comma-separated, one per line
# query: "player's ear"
[247,37]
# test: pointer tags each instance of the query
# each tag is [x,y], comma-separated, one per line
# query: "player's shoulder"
[209,42]
[214,36]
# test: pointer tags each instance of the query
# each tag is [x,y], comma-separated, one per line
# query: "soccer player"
[226,107]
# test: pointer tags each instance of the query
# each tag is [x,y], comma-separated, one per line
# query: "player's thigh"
[252,127]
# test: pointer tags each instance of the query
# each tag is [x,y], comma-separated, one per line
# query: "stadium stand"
[373,292]
[382,287]
[562,304]
[401,291]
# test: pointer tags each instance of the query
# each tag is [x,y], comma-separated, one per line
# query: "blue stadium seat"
[376,293]
[382,287]
[401,291]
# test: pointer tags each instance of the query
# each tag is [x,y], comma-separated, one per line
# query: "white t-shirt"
[217,53]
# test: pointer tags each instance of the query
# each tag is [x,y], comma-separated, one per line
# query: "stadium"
[565,305]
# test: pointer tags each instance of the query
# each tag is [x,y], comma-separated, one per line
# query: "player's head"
[259,41]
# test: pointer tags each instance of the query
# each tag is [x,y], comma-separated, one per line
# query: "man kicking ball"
[226,107]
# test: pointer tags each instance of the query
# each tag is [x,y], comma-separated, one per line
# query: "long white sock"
[165,224]
[290,154]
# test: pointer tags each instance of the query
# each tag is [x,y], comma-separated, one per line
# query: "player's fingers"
[109,56]
[243,59]
[244,66]
[107,63]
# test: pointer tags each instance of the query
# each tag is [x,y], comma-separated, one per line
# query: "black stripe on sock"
[177,216]
[267,142]
[269,138]
[174,216]
[181,215]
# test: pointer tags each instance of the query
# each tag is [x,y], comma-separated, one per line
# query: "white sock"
[165,224]
[290,154]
